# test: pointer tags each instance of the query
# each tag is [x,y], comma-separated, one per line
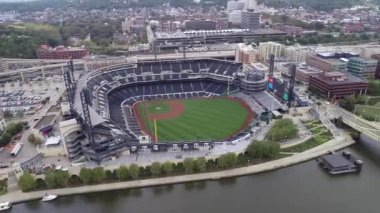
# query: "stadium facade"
[113,90]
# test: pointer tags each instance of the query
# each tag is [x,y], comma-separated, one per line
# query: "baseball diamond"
[198,119]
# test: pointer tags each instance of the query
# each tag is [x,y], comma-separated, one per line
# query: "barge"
[340,163]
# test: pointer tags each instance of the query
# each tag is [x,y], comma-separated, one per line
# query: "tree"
[86,175]
[167,168]
[40,184]
[263,149]
[228,160]
[282,129]
[75,180]
[98,174]
[31,138]
[134,171]
[57,179]
[26,182]
[122,173]
[200,164]
[188,164]
[38,141]
[7,114]
[110,175]
[155,169]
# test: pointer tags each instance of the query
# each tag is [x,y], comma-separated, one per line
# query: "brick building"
[335,85]
[60,52]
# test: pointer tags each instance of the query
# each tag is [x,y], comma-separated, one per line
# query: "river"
[301,188]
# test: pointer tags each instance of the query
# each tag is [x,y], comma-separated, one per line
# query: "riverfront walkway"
[338,143]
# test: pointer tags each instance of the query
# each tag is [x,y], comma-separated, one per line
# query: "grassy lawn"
[203,119]
[311,143]
[368,112]
[374,101]
[321,135]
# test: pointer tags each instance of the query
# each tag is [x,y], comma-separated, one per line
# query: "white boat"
[48,197]
[5,206]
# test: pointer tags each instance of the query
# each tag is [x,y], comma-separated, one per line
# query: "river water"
[301,188]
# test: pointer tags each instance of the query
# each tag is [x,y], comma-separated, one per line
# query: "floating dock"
[340,163]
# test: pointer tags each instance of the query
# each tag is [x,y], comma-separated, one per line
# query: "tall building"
[245,54]
[234,17]
[362,67]
[377,57]
[60,52]
[250,5]
[235,5]
[296,54]
[268,48]
[250,19]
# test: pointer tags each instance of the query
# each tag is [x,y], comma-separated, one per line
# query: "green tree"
[62,178]
[26,182]
[200,164]
[110,175]
[7,114]
[263,149]
[86,175]
[188,164]
[167,168]
[31,138]
[57,179]
[98,174]
[283,129]
[122,173]
[228,160]
[155,169]
[134,171]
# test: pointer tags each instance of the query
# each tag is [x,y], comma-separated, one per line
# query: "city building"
[259,67]
[126,25]
[60,52]
[221,23]
[296,54]
[330,61]
[290,30]
[304,72]
[245,54]
[362,67]
[235,5]
[377,72]
[200,25]
[268,48]
[250,5]
[72,136]
[234,17]
[250,19]
[3,65]
[2,123]
[335,85]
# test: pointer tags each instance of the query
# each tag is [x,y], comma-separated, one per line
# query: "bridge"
[368,128]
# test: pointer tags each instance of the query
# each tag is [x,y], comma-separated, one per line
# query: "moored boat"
[48,197]
[5,206]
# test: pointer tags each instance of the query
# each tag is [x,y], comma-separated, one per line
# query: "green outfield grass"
[203,119]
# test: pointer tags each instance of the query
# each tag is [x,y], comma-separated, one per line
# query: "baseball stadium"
[172,104]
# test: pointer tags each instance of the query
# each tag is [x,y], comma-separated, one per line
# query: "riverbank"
[333,145]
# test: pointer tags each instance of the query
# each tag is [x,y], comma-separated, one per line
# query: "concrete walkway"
[333,145]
